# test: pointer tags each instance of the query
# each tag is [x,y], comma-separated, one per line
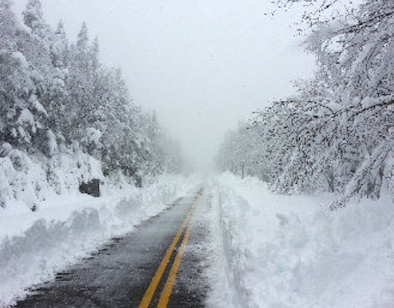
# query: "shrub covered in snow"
[26,181]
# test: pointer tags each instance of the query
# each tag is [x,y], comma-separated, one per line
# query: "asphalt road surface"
[153,266]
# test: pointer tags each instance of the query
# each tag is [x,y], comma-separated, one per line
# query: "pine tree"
[22,113]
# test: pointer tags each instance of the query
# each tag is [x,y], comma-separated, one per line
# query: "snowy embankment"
[287,251]
[36,245]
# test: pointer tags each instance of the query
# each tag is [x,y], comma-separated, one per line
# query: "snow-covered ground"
[289,252]
[36,245]
[270,251]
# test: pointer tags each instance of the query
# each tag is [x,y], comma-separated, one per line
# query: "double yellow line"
[166,293]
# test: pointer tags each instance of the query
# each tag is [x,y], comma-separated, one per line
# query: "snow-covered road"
[119,274]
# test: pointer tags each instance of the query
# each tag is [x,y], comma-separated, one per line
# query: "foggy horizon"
[202,66]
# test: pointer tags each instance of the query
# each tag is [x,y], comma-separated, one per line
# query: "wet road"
[121,273]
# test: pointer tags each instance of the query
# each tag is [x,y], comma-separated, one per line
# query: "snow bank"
[288,252]
[36,245]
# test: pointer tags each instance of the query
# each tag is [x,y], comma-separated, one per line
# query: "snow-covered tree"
[356,57]
[243,153]
[57,99]
[24,71]
[337,136]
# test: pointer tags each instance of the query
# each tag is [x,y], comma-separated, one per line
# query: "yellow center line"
[165,295]
[159,273]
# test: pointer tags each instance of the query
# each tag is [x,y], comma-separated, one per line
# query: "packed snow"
[290,251]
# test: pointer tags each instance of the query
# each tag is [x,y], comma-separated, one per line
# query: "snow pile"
[288,252]
[36,245]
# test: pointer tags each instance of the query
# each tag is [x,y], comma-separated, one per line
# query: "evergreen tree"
[53,93]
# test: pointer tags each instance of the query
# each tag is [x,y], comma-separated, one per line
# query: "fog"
[203,66]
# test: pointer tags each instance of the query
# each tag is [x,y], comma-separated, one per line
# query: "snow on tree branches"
[338,135]
[57,97]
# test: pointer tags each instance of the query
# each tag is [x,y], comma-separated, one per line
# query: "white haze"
[202,65]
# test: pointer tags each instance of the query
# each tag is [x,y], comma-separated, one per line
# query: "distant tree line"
[56,96]
[338,135]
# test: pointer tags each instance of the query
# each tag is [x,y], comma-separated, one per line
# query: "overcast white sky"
[203,65]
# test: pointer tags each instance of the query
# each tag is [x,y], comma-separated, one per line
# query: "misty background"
[203,66]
